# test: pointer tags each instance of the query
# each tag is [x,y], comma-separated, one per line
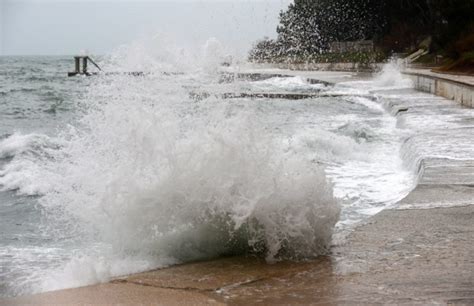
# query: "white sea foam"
[152,171]
[18,143]
[149,177]
[28,155]
[388,79]
[287,84]
[391,78]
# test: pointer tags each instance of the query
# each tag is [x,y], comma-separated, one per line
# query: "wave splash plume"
[149,177]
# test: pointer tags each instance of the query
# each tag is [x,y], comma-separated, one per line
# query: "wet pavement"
[417,256]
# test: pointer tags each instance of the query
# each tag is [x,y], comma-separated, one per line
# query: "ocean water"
[111,175]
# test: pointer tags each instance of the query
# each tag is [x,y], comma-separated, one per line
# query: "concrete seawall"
[454,87]
[459,88]
[346,67]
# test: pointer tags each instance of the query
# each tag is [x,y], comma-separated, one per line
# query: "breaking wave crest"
[192,185]
[26,156]
[154,178]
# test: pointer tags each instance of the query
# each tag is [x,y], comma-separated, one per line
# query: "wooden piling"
[84,65]
[78,64]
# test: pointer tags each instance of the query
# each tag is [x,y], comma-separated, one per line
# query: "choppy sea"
[117,174]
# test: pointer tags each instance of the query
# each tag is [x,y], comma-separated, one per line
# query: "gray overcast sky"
[57,27]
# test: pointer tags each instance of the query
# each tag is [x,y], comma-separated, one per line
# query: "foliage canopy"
[307,27]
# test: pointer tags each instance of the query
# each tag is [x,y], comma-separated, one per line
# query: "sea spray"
[391,76]
[150,177]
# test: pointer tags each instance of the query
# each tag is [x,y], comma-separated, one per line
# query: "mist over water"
[137,174]
[58,27]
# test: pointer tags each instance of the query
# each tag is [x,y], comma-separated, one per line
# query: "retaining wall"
[444,86]
[350,67]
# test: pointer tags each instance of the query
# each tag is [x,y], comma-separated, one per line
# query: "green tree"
[265,50]
[308,26]
[299,30]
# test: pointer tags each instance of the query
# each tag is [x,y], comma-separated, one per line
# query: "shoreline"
[417,253]
[452,86]
[459,88]
[415,256]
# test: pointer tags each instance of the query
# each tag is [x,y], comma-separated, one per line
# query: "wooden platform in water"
[137,73]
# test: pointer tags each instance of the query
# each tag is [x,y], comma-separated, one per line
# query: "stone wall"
[352,67]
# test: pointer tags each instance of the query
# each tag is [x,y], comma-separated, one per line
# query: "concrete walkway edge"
[459,88]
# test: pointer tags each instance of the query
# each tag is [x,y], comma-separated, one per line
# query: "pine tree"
[308,26]
[299,30]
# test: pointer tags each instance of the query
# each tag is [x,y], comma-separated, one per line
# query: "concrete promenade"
[411,257]
[420,252]
[312,76]
[459,88]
